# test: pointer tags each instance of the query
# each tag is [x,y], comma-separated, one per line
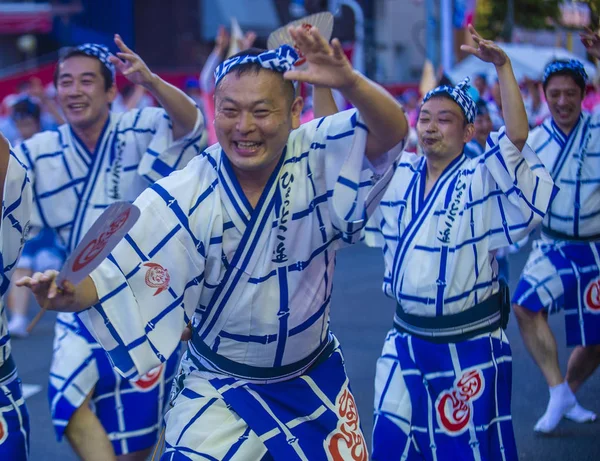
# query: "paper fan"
[322,21]
[236,36]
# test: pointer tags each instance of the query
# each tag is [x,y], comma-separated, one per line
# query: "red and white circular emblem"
[591,296]
[3,429]
[157,277]
[454,406]
[149,380]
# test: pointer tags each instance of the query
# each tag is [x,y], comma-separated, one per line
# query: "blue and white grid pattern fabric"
[17,200]
[564,275]
[572,65]
[130,412]
[573,160]
[14,419]
[444,401]
[101,53]
[476,207]
[312,417]
[280,60]
[16,215]
[460,95]
[259,296]
[72,187]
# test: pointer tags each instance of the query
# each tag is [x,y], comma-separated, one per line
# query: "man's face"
[441,128]
[81,93]
[27,126]
[564,100]
[483,126]
[253,119]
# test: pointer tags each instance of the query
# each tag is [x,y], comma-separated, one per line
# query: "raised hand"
[131,65]
[48,294]
[222,41]
[328,66]
[486,50]
[591,41]
[248,40]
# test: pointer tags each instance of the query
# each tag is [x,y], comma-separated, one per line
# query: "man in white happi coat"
[443,381]
[242,243]
[16,197]
[97,158]
[563,269]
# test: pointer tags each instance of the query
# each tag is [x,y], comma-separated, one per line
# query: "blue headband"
[101,53]
[573,65]
[281,60]
[459,95]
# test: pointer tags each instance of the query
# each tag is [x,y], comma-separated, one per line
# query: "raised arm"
[513,109]
[323,102]
[328,67]
[177,104]
[4,159]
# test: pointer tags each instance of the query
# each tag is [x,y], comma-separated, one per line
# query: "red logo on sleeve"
[157,277]
[591,296]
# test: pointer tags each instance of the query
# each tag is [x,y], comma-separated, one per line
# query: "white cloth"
[72,188]
[16,213]
[574,163]
[256,282]
[439,251]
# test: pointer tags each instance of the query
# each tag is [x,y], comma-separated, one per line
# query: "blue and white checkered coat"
[256,282]
[16,213]
[574,163]
[72,187]
[439,250]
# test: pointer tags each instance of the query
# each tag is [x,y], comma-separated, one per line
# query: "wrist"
[352,83]
[505,65]
[153,83]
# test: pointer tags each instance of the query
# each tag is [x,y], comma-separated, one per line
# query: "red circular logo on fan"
[157,277]
[95,247]
[149,380]
[591,296]
[301,59]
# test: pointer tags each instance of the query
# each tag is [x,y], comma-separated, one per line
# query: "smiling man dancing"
[243,242]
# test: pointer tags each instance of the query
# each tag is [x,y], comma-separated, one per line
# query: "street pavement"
[361,316]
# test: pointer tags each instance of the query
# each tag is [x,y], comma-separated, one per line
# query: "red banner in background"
[34,22]
[9,85]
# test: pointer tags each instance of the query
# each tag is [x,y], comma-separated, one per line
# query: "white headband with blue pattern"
[280,60]
[572,65]
[459,95]
[101,53]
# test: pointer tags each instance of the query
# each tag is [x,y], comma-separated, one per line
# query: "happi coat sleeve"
[515,188]
[150,285]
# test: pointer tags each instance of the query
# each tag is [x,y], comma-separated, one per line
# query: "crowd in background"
[33,108]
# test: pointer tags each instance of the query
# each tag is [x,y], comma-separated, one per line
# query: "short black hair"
[577,77]
[482,107]
[71,52]
[449,98]
[255,68]
[26,108]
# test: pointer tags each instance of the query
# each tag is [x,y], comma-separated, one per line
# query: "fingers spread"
[121,44]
